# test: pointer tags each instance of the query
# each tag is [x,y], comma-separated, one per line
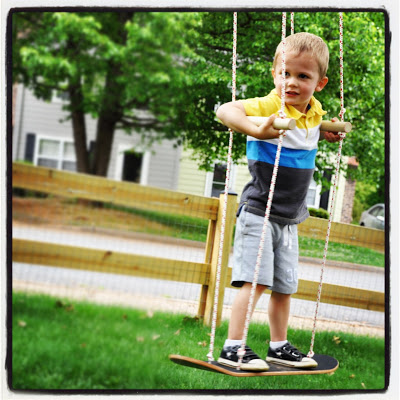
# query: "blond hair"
[306,42]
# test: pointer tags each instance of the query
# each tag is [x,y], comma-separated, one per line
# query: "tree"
[119,67]
[258,35]
[166,72]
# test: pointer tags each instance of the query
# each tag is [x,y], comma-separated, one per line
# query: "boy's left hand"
[331,137]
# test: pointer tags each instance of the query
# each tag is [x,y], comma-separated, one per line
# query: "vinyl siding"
[164,166]
[190,179]
[48,119]
[193,180]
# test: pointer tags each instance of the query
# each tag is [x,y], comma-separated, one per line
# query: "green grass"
[196,229]
[340,252]
[59,345]
[184,227]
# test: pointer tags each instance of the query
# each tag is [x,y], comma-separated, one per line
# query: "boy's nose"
[291,81]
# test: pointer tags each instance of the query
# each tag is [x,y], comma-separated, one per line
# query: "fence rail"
[95,188]
[73,185]
[344,233]
[55,255]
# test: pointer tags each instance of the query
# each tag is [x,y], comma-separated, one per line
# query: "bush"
[319,213]
[364,198]
[19,192]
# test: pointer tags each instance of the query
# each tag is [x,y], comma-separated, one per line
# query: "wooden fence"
[73,185]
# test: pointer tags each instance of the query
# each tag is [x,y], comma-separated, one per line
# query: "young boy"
[307,59]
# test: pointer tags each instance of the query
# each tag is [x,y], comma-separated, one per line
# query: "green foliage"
[167,71]
[319,213]
[59,344]
[67,47]
[121,68]
[29,193]
[364,94]
[365,197]
[258,36]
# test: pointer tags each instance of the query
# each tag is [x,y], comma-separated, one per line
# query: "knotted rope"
[335,180]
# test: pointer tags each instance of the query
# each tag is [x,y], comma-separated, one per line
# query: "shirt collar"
[314,107]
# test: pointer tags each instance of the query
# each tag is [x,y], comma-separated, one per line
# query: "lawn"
[62,345]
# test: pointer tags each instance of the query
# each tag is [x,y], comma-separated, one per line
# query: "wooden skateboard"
[326,365]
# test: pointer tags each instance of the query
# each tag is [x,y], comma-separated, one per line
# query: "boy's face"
[302,79]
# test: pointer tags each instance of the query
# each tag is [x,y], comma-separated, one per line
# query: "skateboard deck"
[326,365]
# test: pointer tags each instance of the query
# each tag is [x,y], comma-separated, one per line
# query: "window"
[218,182]
[60,96]
[215,181]
[55,153]
[313,195]
[378,211]
[132,164]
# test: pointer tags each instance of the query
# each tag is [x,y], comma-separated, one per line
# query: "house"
[202,183]
[43,136]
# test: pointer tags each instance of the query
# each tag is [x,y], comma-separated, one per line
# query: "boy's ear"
[273,73]
[321,84]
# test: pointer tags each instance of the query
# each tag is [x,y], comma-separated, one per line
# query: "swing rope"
[292,23]
[224,207]
[335,180]
[282,114]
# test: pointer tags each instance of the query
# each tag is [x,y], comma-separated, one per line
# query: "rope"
[242,351]
[292,23]
[335,179]
[282,114]
[283,57]
[342,109]
[224,208]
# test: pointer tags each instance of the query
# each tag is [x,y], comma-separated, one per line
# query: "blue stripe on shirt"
[292,158]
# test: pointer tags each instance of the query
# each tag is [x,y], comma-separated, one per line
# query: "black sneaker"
[289,355]
[250,362]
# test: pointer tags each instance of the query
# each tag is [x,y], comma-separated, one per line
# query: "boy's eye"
[303,76]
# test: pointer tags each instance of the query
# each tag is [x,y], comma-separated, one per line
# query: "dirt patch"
[55,211]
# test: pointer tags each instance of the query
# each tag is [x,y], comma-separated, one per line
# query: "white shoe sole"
[304,363]
[245,366]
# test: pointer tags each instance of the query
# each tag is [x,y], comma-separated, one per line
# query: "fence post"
[212,225]
[208,292]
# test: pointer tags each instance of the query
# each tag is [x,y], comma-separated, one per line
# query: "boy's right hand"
[266,130]
[233,115]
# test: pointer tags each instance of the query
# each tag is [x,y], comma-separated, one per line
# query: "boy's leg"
[278,313]
[229,354]
[239,310]
[283,353]
[285,282]
[247,239]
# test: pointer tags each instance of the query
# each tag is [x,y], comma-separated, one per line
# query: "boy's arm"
[233,115]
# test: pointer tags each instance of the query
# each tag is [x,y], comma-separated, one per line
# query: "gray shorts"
[279,262]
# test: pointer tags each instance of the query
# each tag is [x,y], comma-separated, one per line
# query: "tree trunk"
[104,139]
[79,129]
[111,109]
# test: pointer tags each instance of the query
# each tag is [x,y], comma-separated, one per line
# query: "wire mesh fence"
[112,242]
